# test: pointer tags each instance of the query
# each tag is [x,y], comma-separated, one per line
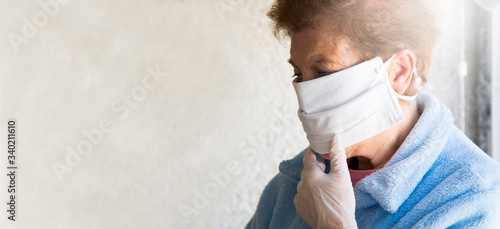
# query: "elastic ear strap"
[402,97]
[405,97]
[383,67]
[388,62]
[418,80]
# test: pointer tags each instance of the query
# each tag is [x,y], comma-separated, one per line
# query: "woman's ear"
[400,70]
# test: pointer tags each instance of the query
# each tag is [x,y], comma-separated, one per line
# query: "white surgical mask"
[357,103]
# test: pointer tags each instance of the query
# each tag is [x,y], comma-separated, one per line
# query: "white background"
[196,150]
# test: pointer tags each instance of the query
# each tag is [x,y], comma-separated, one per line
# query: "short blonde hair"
[374,27]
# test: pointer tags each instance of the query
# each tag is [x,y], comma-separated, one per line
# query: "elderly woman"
[381,154]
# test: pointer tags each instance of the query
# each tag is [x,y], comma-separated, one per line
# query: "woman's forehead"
[317,46]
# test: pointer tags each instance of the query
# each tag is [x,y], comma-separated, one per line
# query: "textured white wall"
[194,150]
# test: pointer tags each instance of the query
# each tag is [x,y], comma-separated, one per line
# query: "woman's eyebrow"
[319,62]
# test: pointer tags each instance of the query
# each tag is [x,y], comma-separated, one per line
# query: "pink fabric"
[357,175]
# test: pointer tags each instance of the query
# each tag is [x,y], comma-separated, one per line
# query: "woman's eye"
[297,75]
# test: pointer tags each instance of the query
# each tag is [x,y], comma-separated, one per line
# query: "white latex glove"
[326,200]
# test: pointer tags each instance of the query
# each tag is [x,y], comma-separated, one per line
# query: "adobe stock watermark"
[40,19]
[221,180]
[121,107]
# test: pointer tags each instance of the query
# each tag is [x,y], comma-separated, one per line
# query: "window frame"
[495,83]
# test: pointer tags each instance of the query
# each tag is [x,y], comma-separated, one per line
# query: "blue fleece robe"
[438,178]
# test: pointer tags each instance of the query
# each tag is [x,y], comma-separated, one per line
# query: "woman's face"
[317,52]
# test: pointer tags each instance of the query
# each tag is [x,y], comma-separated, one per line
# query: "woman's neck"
[379,149]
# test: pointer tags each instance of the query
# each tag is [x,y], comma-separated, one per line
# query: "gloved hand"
[326,200]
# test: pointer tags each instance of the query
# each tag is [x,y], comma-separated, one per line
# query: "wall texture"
[154,114]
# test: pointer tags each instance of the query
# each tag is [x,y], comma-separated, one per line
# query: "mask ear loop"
[418,80]
[402,97]
[385,65]
[405,97]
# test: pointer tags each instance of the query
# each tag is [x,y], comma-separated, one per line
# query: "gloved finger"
[310,163]
[337,154]
[299,190]
[297,203]
[298,186]
[322,166]
[311,160]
